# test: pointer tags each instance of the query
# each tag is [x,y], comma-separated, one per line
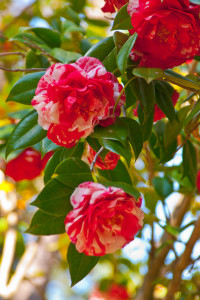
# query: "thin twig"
[23,70]
[12,53]
[183,262]
[95,158]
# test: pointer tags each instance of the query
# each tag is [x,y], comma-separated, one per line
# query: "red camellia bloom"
[198,181]
[27,165]
[103,219]
[108,163]
[114,292]
[158,114]
[168,32]
[72,98]
[111,5]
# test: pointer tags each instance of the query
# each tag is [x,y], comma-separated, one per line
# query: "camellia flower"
[103,220]
[198,181]
[108,163]
[168,32]
[72,98]
[159,114]
[111,5]
[114,292]
[27,165]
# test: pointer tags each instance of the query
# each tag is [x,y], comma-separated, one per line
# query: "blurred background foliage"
[171,198]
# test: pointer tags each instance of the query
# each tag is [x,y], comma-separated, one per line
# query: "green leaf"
[47,146]
[54,198]
[150,74]
[145,123]
[117,148]
[129,189]
[23,90]
[5,131]
[117,131]
[190,162]
[79,264]
[26,133]
[119,39]
[145,94]
[164,93]
[174,127]
[110,61]
[119,173]
[31,40]
[34,60]
[102,49]
[175,231]
[194,112]
[49,36]
[72,172]
[46,224]
[59,156]
[163,186]
[124,52]
[122,20]
[64,56]
[135,135]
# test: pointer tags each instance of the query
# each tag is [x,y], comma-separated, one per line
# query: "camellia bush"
[107,113]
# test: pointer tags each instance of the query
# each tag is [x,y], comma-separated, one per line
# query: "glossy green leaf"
[59,156]
[145,94]
[34,60]
[54,198]
[135,135]
[118,148]
[129,189]
[174,127]
[119,39]
[150,74]
[64,56]
[49,36]
[102,49]
[163,186]
[119,173]
[72,172]
[110,61]
[194,112]
[26,133]
[122,20]
[79,264]
[46,224]
[190,162]
[47,146]
[31,40]
[117,131]
[164,92]
[124,53]
[23,90]
[145,123]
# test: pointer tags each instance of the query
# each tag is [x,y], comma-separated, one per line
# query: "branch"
[23,70]
[183,262]
[155,265]
[12,53]
[95,158]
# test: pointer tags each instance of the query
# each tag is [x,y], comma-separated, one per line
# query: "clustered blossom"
[109,162]
[27,165]
[158,113]
[71,99]
[168,32]
[103,220]
[112,5]
[114,292]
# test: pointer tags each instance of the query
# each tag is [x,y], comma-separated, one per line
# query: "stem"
[12,53]
[23,70]
[183,262]
[95,158]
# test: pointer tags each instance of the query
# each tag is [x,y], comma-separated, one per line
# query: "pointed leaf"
[79,264]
